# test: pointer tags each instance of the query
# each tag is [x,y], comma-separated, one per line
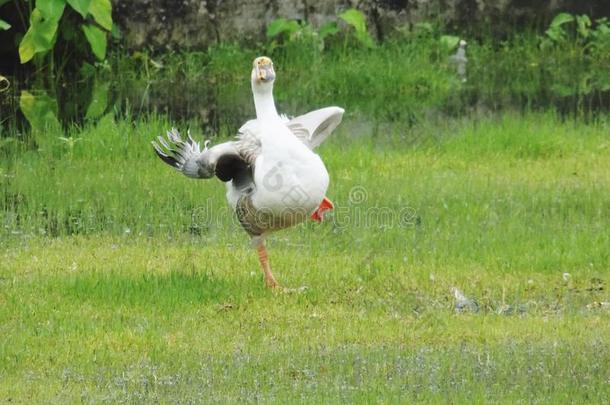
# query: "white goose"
[274,180]
[459,60]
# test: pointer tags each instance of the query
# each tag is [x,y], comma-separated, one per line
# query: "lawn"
[121,281]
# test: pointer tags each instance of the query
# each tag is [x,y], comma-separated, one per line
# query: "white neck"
[263,101]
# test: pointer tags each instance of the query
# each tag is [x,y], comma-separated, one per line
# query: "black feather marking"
[167,159]
[230,166]
[177,153]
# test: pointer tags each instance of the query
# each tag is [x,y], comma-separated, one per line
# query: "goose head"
[263,74]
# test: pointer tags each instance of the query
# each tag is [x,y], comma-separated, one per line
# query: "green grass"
[121,281]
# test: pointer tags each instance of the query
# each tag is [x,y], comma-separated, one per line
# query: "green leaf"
[365,39]
[356,19]
[27,47]
[87,70]
[449,41]
[3,2]
[4,25]
[81,6]
[41,112]
[280,26]
[99,100]
[562,18]
[97,39]
[583,22]
[276,27]
[328,29]
[555,33]
[51,9]
[101,10]
[40,37]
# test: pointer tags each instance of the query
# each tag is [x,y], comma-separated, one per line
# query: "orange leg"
[264,259]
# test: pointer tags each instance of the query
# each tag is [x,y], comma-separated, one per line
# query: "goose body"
[273,177]
[287,175]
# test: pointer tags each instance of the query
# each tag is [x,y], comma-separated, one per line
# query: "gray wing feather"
[179,154]
[314,127]
[185,156]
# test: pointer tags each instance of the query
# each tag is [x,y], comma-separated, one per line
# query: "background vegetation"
[406,78]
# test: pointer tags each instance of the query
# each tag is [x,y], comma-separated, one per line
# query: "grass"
[121,281]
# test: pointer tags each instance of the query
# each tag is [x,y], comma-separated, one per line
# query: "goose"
[460,60]
[274,179]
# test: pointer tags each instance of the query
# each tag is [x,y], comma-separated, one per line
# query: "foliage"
[300,36]
[283,26]
[449,42]
[294,37]
[3,24]
[302,33]
[99,100]
[41,111]
[45,19]
[555,32]
[48,23]
[356,19]
[579,30]
[406,78]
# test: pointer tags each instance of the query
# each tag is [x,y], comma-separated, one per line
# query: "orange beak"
[325,205]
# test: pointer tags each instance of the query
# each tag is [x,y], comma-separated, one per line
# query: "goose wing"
[228,161]
[314,127]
